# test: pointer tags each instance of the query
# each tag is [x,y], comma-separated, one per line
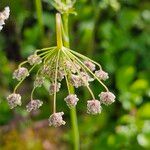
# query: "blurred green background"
[114,33]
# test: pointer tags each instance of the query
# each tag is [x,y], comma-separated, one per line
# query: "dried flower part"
[34,105]
[85,78]
[90,65]
[14,100]
[52,88]
[39,81]
[75,80]
[93,107]
[3,16]
[107,98]
[34,59]
[71,100]
[56,119]
[20,73]
[102,75]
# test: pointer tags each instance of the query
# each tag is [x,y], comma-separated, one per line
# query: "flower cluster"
[4,15]
[54,65]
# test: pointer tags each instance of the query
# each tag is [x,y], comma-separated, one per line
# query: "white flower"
[14,100]
[71,100]
[75,80]
[90,65]
[102,75]
[34,59]
[93,107]
[85,78]
[39,81]
[52,88]
[20,73]
[56,119]
[107,98]
[3,16]
[34,105]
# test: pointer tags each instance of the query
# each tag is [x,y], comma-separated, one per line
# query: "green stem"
[73,115]
[38,5]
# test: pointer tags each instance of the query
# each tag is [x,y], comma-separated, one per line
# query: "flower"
[85,78]
[4,15]
[14,100]
[60,74]
[20,73]
[45,71]
[34,59]
[39,81]
[56,119]
[93,107]
[102,75]
[107,98]
[75,80]
[52,88]
[71,66]
[90,65]
[34,105]
[71,100]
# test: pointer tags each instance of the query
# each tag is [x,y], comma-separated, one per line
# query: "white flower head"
[94,107]
[39,81]
[90,65]
[75,80]
[107,98]
[56,119]
[14,100]
[102,75]
[34,105]
[34,59]
[20,73]
[71,100]
[85,78]
[52,88]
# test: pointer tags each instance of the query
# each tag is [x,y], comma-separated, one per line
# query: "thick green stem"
[38,5]
[73,115]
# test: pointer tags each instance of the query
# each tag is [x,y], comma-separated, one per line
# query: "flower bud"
[107,98]
[56,119]
[14,100]
[20,73]
[93,107]
[71,100]
[34,105]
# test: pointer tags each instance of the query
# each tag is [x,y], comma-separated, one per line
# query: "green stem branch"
[73,115]
[38,5]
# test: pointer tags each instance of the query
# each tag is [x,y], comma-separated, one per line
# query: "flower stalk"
[38,6]
[73,114]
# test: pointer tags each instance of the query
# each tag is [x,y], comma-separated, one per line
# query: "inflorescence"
[4,15]
[56,64]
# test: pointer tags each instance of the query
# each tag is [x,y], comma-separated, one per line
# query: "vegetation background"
[114,33]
